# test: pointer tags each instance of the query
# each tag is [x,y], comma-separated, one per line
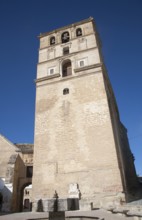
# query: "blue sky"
[119,23]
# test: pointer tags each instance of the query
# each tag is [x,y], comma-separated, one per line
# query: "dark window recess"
[51,71]
[81,63]
[65,91]
[65,37]
[29,171]
[78,32]
[65,50]
[66,68]
[52,40]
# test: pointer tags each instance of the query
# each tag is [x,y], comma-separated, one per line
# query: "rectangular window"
[29,172]
[81,63]
[65,50]
[51,71]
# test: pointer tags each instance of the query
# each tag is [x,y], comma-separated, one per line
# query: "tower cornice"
[66,27]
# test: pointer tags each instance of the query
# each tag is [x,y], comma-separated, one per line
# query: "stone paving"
[100,214]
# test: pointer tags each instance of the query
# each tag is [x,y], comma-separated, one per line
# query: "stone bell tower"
[80,148]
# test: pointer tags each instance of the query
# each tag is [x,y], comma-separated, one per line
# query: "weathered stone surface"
[6,150]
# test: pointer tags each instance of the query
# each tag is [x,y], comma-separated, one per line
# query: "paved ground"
[96,214]
[24,216]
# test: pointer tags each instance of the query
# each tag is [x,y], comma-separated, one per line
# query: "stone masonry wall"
[74,132]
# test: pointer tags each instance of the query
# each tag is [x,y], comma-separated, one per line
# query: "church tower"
[81,148]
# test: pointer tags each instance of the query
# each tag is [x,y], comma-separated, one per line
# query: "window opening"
[51,71]
[65,37]
[66,68]
[65,91]
[52,40]
[29,171]
[81,63]
[78,32]
[65,50]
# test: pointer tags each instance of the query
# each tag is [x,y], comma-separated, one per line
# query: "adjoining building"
[16,163]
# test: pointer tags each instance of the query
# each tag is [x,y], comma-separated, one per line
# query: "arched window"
[65,91]
[65,37]
[52,40]
[66,68]
[78,32]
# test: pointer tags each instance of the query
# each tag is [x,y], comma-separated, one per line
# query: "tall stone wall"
[74,139]
[77,137]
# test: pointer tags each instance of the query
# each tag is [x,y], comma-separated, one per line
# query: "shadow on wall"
[5,196]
